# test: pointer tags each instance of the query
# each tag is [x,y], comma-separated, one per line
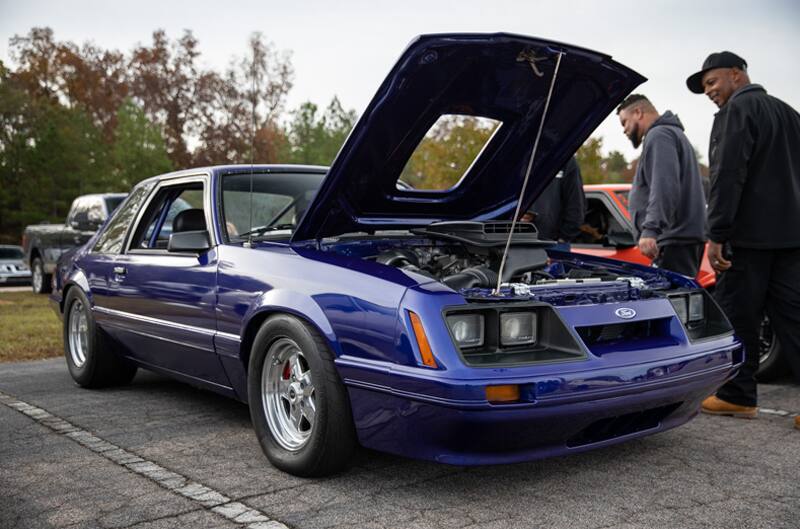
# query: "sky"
[345,48]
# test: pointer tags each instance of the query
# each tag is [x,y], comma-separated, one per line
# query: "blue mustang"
[347,307]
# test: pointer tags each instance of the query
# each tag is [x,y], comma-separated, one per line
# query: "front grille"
[627,333]
[612,427]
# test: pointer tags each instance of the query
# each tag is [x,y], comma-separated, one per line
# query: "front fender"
[298,304]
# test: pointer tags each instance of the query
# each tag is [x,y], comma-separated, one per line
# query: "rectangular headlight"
[467,329]
[679,304]
[696,307]
[518,328]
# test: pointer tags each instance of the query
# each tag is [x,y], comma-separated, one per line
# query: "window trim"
[203,178]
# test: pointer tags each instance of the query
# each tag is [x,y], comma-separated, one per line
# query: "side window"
[598,224]
[168,212]
[110,241]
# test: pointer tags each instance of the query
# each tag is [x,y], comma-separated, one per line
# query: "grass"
[29,329]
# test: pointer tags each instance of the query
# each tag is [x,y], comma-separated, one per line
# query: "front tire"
[92,357]
[298,404]
[40,281]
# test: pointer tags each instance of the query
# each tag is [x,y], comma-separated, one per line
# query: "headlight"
[679,304]
[518,328]
[467,329]
[690,308]
[696,307]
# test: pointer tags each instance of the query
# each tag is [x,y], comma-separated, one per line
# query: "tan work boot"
[716,406]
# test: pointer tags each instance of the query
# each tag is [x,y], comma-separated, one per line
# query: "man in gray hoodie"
[666,202]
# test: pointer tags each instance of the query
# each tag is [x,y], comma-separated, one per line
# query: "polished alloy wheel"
[78,333]
[288,394]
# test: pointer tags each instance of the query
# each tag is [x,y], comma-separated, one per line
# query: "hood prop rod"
[527,174]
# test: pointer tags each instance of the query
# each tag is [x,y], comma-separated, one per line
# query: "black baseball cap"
[723,59]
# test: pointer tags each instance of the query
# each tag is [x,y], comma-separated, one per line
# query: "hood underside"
[502,77]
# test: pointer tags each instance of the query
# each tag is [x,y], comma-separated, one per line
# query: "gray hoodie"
[666,200]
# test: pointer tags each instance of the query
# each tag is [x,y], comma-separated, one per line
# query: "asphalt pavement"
[162,454]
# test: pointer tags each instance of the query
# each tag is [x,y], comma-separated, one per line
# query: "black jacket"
[667,201]
[754,201]
[561,206]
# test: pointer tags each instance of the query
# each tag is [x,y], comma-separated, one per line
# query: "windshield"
[112,203]
[273,209]
[11,253]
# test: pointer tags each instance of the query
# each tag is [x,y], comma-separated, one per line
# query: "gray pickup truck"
[44,243]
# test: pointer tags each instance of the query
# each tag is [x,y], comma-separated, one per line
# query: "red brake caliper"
[287,371]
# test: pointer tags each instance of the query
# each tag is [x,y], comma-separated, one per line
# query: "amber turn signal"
[509,393]
[422,341]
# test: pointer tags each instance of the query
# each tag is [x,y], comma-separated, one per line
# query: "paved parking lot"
[161,454]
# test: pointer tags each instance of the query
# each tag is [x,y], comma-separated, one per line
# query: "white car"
[13,270]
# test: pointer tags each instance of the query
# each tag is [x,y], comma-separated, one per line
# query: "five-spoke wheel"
[298,404]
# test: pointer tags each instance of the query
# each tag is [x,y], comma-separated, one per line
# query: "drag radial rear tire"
[92,356]
[298,404]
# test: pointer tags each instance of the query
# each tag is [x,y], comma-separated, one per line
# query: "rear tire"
[40,281]
[298,404]
[92,356]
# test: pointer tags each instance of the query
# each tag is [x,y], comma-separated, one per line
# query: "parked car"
[43,244]
[608,232]
[345,309]
[13,270]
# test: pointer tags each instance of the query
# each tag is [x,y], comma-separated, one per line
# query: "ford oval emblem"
[625,313]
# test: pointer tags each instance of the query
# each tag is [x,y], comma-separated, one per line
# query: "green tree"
[599,169]
[48,155]
[590,160]
[139,149]
[446,152]
[316,139]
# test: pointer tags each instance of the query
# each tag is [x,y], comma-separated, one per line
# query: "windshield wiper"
[261,230]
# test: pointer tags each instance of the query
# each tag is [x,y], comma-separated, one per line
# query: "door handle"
[120,270]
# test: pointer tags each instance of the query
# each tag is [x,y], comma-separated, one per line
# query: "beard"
[636,140]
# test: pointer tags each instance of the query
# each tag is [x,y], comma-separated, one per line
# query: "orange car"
[608,232]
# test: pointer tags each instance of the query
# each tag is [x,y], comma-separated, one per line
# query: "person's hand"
[718,262]
[648,247]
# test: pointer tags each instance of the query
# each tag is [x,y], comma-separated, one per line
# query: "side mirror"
[189,241]
[81,221]
[621,239]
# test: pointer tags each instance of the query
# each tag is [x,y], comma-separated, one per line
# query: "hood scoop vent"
[505,227]
[484,234]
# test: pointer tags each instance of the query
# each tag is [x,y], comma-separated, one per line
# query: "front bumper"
[448,422]
[15,279]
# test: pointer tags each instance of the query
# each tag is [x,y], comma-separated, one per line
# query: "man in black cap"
[754,218]
[666,201]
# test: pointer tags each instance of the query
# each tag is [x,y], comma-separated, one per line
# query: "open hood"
[498,76]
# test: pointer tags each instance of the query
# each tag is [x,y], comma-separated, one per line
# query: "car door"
[163,302]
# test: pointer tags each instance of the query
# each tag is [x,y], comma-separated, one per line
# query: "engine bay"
[466,256]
